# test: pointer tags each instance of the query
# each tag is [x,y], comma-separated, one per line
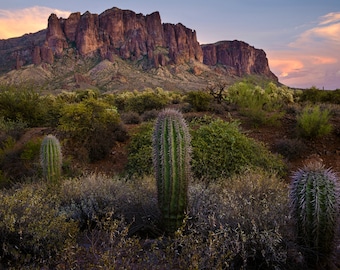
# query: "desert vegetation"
[87,178]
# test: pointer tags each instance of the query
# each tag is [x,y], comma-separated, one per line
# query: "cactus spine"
[51,159]
[314,197]
[171,160]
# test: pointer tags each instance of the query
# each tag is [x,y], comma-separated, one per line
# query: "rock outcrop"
[238,57]
[125,33]
[136,37]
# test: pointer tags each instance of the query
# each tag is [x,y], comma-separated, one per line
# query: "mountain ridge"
[162,52]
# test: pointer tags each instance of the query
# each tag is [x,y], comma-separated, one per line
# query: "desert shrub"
[199,100]
[220,150]
[261,105]
[29,156]
[140,151]
[23,104]
[313,122]
[93,126]
[11,128]
[235,224]
[140,102]
[91,198]
[316,95]
[291,149]
[31,229]
[131,118]
[149,115]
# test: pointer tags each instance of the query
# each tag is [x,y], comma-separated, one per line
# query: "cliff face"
[130,36]
[238,56]
[121,32]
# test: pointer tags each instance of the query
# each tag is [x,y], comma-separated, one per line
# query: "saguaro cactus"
[51,158]
[171,159]
[314,197]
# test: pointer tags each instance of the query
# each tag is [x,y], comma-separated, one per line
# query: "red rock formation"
[123,32]
[131,36]
[55,36]
[241,58]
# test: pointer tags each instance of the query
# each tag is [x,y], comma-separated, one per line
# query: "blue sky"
[301,37]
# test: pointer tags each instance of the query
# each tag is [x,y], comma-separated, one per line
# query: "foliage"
[315,203]
[83,121]
[140,151]
[199,100]
[235,224]
[93,197]
[23,104]
[262,105]
[51,159]
[220,150]
[12,128]
[315,95]
[291,149]
[313,122]
[171,161]
[131,118]
[31,229]
[146,100]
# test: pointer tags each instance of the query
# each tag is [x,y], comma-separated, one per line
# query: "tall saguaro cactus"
[314,197]
[171,159]
[51,159]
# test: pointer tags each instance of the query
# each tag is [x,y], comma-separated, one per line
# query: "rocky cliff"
[142,39]
[122,32]
[238,57]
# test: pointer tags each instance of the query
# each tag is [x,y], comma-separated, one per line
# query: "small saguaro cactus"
[171,160]
[51,158]
[314,197]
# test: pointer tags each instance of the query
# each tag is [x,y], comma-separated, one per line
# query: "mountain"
[119,49]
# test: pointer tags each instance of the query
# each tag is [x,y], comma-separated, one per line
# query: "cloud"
[313,58]
[15,23]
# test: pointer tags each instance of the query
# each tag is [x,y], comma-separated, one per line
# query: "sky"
[300,37]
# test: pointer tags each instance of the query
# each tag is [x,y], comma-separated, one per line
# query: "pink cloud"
[15,23]
[313,58]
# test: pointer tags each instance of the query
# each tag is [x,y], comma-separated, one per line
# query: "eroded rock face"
[125,33]
[240,57]
[132,37]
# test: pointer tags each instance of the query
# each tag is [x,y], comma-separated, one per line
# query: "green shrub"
[140,151]
[221,150]
[23,104]
[261,105]
[146,100]
[12,128]
[316,95]
[313,122]
[199,100]
[31,229]
[93,127]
